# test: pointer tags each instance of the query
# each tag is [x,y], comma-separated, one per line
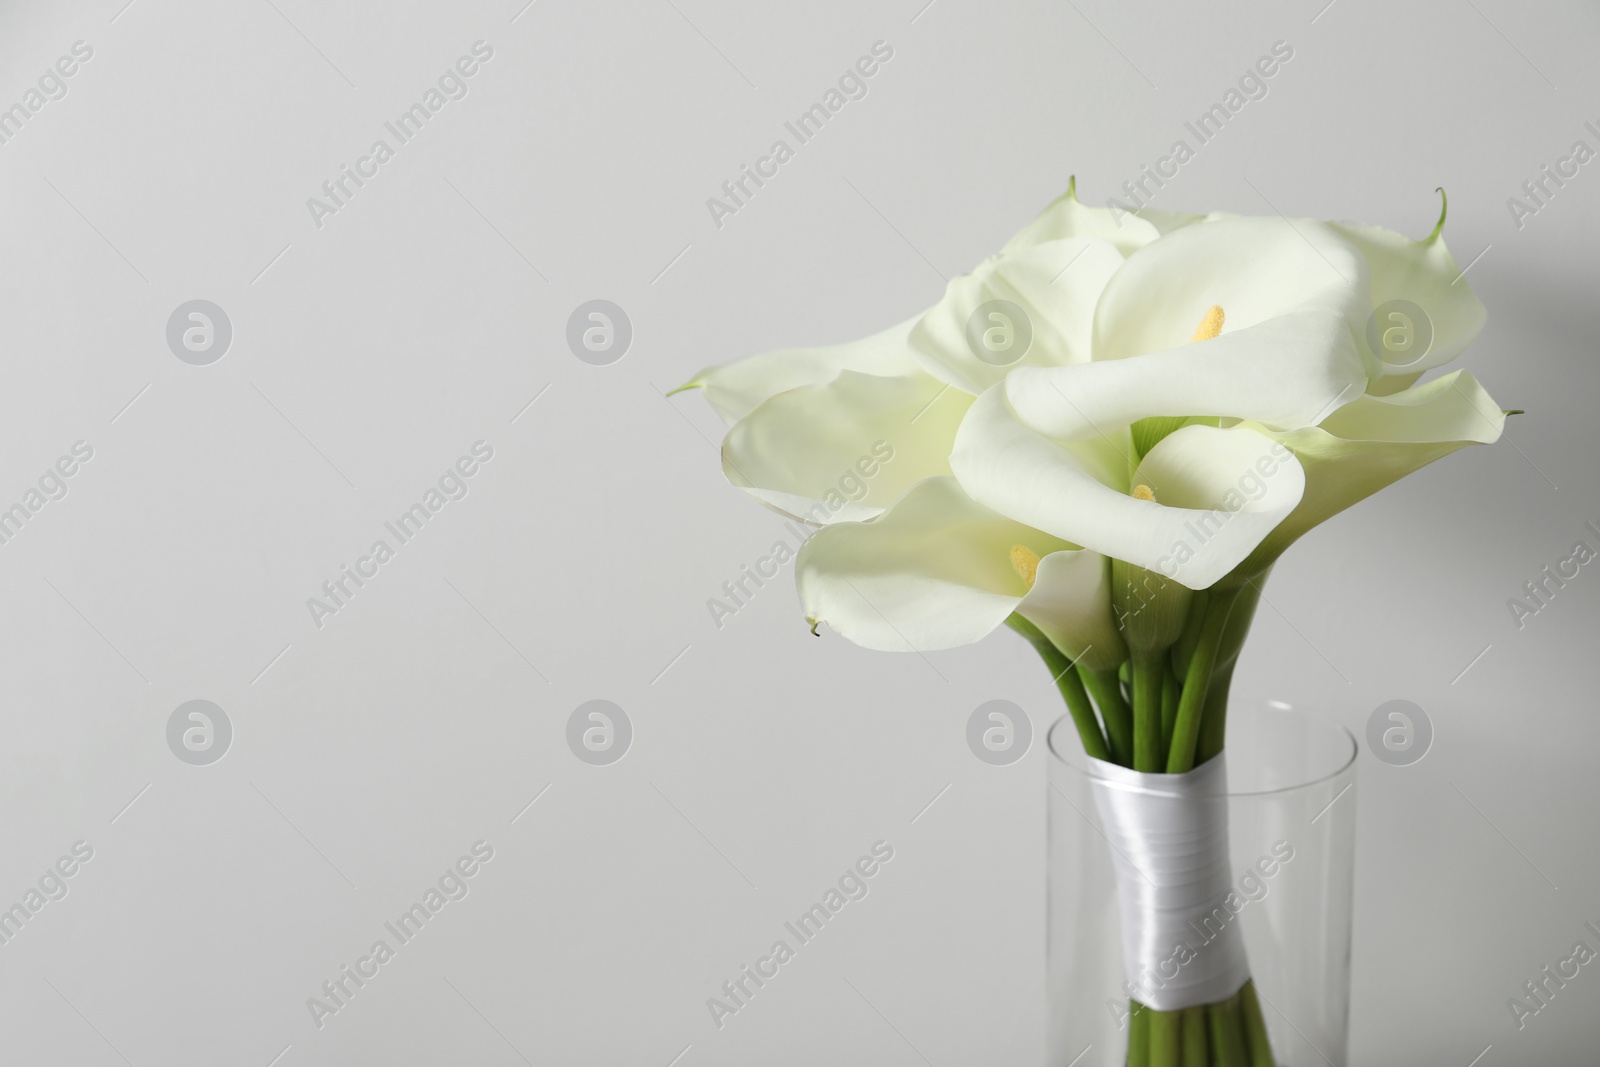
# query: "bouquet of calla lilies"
[1104,436]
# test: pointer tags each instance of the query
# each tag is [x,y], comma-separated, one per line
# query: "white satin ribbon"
[1181,944]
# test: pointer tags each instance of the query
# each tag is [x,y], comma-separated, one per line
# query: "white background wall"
[372,351]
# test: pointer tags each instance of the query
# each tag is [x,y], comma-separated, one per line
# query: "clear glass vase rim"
[1346,738]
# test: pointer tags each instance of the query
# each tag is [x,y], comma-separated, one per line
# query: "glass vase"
[1290,814]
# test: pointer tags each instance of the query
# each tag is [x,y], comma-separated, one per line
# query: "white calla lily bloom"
[940,570]
[1374,442]
[1217,492]
[1120,432]
[1054,270]
[1424,274]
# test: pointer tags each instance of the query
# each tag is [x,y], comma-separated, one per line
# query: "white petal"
[1289,371]
[1422,273]
[1225,490]
[735,389]
[1070,603]
[1066,217]
[1376,441]
[1452,407]
[844,451]
[1256,269]
[934,572]
[1053,285]
[1211,515]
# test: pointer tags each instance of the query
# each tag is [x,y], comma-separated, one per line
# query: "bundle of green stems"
[1164,710]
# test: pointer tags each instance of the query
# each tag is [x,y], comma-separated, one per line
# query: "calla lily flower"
[1127,232]
[1295,355]
[1374,442]
[1055,284]
[1116,430]
[1397,427]
[735,390]
[939,570]
[1213,494]
[1423,274]
[801,417]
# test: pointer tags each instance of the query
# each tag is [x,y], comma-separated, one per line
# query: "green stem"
[1255,1027]
[1169,704]
[1070,685]
[1227,1036]
[1147,713]
[1106,689]
[1186,732]
[1240,618]
[1164,1034]
[1183,651]
[1138,1034]
[1214,724]
[1194,1038]
[1214,718]
[1229,1033]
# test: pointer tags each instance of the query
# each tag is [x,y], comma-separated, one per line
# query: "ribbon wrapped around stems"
[1182,947]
